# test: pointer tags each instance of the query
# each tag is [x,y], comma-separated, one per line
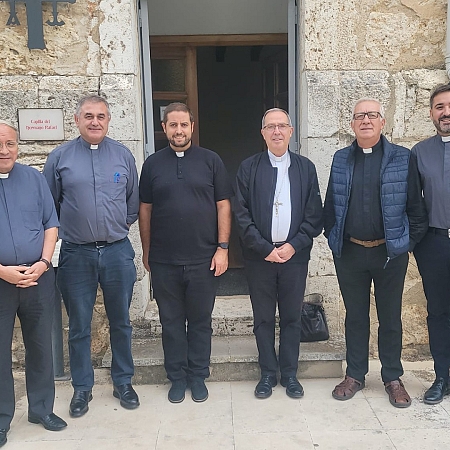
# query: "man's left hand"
[286,251]
[219,262]
[35,271]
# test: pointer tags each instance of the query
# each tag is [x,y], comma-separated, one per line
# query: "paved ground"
[232,418]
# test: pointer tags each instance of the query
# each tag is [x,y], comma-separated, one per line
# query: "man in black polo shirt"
[184,222]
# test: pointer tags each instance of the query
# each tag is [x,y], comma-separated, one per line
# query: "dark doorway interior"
[236,84]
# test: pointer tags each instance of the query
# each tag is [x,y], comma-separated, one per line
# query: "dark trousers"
[356,269]
[81,268]
[185,296]
[433,259]
[34,308]
[271,284]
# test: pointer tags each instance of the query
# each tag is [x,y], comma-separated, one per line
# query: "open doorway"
[236,84]
[228,86]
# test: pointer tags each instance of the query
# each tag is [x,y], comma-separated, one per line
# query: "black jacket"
[253,206]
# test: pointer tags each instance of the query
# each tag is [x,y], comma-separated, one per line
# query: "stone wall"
[95,52]
[392,50]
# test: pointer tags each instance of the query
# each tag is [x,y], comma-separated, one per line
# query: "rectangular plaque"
[41,124]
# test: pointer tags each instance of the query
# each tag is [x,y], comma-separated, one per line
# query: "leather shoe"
[79,403]
[127,395]
[293,388]
[436,393]
[177,391]
[264,387]
[199,391]
[3,432]
[50,422]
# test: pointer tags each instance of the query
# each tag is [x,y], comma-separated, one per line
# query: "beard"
[176,144]
[442,128]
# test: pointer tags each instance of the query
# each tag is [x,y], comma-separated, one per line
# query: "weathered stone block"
[122,94]
[323,103]
[119,44]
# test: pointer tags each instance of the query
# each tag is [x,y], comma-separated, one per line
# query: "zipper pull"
[388,259]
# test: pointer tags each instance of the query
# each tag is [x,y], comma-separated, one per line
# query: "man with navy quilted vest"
[374,216]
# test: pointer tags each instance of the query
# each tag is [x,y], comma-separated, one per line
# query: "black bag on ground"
[314,322]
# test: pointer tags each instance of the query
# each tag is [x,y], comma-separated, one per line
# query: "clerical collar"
[445,138]
[278,159]
[94,147]
[4,175]
[373,149]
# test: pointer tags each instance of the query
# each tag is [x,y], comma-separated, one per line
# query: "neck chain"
[277,202]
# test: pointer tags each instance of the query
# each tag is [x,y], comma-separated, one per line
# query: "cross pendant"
[277,204]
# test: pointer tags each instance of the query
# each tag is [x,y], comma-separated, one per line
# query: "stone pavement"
[233,419]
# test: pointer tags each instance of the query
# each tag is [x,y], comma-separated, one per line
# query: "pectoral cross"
[34,19]
[277,204]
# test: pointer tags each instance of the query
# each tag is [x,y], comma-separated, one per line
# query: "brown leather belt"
[368,244]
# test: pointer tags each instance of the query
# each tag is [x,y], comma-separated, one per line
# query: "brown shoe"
[397,394]
[347,388]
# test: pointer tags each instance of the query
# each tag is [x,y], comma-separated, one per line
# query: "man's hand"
[145,261]
[22,276]
[286,252]
[281,254]
[274,257]
[219,262]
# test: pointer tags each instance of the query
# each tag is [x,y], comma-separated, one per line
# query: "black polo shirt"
[183,192]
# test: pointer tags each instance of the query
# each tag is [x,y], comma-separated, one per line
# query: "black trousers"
[185,296]
[433,259]
[271,284]
[356,269]
[34,308]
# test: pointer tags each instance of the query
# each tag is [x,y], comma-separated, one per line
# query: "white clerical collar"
[278,159]
[94,147]
[367,150]
[179,154]
[4,175]
[445,138]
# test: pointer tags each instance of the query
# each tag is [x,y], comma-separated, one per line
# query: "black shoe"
[293,388]
[436,393]
[177,391]
[127,395]
[199,391]
[264,387]
[3,432]
[50,422]
[79,403]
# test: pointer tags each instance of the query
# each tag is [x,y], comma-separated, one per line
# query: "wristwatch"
[223,245]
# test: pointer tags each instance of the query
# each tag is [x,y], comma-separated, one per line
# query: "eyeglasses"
[370,114]
[281,127]
[10,145]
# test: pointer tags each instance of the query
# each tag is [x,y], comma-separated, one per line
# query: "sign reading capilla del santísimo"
[34,19]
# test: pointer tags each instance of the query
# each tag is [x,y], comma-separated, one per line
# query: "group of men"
[382,202]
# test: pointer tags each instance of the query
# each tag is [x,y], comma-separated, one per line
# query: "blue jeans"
[81,268]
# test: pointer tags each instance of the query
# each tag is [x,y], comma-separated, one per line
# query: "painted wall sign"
[41,124]
[34,19]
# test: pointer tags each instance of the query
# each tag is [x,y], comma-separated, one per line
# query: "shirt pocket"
[32,219]
[118,187]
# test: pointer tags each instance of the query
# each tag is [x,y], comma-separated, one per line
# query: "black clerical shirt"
[364,217]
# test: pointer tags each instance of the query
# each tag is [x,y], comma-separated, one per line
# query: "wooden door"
[174,79]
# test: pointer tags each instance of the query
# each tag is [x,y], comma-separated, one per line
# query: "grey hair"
[273,110]
[91,99]
[8,124]
[368,99]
